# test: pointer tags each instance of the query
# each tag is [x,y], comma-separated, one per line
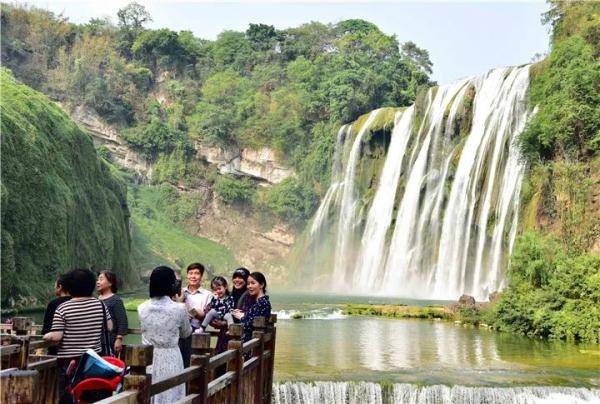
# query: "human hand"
[237,313]
[118,345]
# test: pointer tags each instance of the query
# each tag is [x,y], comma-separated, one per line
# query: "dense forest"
[287,89]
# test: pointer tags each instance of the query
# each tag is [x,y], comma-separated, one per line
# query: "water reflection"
[375,349]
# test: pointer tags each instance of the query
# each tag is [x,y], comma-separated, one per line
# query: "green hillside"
[61,206]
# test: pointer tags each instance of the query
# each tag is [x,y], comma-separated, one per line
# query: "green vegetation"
[232,190]
[132,304]
[286,89]
[555,267]
[565,87]
[291,199]
[397,311]
[158,238]
[552,294]
[61,206]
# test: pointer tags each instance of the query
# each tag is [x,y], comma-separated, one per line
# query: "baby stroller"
[94,378]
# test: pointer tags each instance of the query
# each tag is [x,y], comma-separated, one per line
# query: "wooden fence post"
[138,357]
[201,344]
[237,365]
[21,325]
[271,366]
[19,386]
[200,357]
[259,326]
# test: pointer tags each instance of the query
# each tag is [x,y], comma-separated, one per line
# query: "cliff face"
[106,135]
[261,165]
[262,245]
[61,206]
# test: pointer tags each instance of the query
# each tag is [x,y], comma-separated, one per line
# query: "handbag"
[106,348]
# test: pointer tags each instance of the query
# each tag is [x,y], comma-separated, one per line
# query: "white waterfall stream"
[443,216]
[401,393]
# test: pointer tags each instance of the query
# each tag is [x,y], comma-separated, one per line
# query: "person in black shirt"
[61,290]
[239,291]
[107,289]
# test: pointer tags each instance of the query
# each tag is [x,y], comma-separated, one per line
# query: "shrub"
[291,199]
[232,190]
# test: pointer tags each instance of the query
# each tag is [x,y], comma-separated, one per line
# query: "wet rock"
[466,300]
[494,296]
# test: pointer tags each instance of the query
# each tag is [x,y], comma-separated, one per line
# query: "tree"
[262,37]
[133,17]
[131,22]
[419,57]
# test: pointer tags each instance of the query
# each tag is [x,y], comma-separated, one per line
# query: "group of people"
[78,321]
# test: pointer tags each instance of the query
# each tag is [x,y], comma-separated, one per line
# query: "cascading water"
[443,215]
[347,214]
[374,393]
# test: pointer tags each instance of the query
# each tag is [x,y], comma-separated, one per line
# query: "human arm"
[122,324]
[57,329]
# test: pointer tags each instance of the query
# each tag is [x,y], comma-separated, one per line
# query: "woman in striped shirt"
[78,323]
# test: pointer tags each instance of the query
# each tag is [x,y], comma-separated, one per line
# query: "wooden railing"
[242,374]
[26,378]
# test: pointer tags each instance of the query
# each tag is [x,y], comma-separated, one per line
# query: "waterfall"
[442,216]
[374,393]
[380,214]
[330,196]
[347,215]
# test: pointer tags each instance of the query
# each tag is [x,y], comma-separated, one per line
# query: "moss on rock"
[61,206]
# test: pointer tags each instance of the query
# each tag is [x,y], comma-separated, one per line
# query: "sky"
[463,38]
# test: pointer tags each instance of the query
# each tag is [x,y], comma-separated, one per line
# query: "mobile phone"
[177,287]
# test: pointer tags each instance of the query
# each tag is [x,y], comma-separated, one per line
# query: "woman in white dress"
[163,322]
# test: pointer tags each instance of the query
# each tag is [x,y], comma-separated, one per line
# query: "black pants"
[185,347]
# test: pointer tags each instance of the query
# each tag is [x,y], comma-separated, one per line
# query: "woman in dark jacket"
[257,303]
[107,289]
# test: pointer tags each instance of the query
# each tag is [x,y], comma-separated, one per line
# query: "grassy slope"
[156,240]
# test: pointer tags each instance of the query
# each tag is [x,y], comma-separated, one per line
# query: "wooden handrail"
[184,376]
[250,345]
[220,359]
[221,382]
[33,345]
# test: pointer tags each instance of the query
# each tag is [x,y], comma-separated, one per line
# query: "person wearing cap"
[240,289]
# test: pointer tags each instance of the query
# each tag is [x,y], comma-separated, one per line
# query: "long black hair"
[260,278]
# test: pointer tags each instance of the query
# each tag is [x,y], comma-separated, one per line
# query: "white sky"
[463,38]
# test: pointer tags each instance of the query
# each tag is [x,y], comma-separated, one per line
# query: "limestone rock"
[105,134]
[261,164]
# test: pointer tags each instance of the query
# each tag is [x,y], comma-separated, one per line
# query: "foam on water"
[401,393]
